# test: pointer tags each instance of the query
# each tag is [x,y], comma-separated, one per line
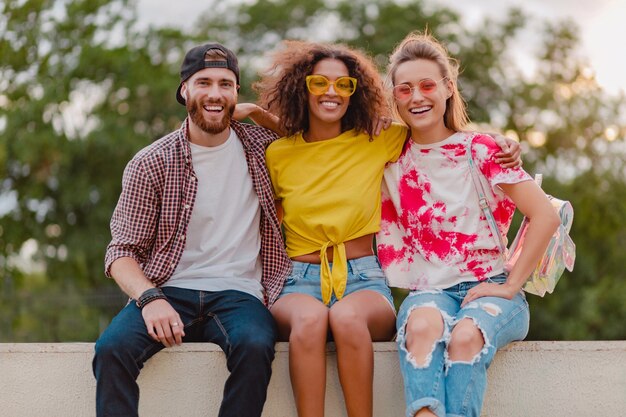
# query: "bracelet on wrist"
[150,295]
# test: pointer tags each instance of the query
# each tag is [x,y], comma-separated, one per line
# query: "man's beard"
[195,110]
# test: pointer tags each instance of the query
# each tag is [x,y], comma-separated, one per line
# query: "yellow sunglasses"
[318,85]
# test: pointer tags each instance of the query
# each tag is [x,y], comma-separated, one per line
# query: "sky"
[602,26]
[601,23]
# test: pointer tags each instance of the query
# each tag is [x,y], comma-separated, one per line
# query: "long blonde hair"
[417,45]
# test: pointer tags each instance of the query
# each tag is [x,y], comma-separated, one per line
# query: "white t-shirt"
[433,233]
[223,239]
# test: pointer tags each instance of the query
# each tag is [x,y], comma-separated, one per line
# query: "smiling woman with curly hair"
[326,173]
[283,90]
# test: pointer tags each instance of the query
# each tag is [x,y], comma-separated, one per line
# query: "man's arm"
[133,230]
[129,277]
[260,116]
[135,218]
[162,321]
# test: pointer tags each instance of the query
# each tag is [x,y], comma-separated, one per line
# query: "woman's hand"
[490,289]
[510,157]
[382,123]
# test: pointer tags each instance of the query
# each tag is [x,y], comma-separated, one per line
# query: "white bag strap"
[482,200]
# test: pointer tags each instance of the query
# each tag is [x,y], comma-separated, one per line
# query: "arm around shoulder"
[510,155]
[260,116]
[395,137]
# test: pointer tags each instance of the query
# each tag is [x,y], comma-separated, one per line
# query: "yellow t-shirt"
[330,193]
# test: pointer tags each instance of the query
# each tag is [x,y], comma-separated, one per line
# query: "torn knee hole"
[468,342]
[420,356]
[491,309]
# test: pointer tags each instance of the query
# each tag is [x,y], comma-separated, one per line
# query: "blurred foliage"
[83,87]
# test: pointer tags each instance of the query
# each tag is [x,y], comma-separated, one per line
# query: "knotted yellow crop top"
[330,194]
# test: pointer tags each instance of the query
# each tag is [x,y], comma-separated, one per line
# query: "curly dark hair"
[283,91]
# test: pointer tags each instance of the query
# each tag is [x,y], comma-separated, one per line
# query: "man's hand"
[260,116]
[163,323]
[510,157]
[244,110]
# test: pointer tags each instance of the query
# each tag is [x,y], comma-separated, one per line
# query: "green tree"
[571,130]
[577,133]
[83,87]
[82,91]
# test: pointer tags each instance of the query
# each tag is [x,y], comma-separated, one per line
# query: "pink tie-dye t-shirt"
[433,233]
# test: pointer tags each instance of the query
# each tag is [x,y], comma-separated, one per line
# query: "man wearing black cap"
[197,246]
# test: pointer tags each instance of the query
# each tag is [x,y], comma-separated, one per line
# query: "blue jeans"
[456,388]
[238,322]
[363,274]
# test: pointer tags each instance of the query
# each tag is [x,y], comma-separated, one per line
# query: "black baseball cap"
[194,62]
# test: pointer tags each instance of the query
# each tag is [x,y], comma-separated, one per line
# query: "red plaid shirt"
[159,190]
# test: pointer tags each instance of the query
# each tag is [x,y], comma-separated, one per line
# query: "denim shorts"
[363,274]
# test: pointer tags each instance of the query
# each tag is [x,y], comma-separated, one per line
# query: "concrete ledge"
[555,379]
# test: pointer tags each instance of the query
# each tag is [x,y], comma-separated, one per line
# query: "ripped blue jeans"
[456,388]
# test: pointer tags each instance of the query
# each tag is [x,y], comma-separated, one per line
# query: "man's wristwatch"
[149,296]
